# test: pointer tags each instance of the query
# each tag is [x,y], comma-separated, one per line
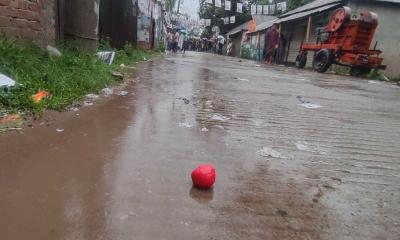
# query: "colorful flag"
[232,19]
[227,5]
[284,6]
[253,9]
[259,9]
[218,3]
[272,8]
[266,9]
[239,7]
[226,20]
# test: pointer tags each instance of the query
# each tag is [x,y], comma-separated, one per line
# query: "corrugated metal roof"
[265,25]
[309,12]
[237,29]
[315,5]
[260,20]
[390,1]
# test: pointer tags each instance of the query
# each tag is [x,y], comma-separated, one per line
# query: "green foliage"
[292,4]
[67,78]
[209,11]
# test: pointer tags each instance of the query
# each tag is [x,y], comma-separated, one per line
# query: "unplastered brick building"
[33,20]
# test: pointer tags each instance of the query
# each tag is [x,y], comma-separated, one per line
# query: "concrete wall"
[387,34]
[30,20]
[82,21]
[150,26]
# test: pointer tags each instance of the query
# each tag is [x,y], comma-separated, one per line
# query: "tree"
[292,4]
[216,14]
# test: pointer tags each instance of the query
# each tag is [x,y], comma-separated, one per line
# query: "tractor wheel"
[301,60]
[359,71]
[323,59]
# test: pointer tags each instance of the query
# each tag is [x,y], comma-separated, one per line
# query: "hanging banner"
[232,19]
[208,22]
[226,20]
[227,5]
[265,9]
[279,6]
[259,9]
[284,6]
[218,3]
[253,9]
[239,7]
[272,9]
[209,1]
[271,1]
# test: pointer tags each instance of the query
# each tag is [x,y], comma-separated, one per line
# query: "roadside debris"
[106,56]
[219,126]
[91,97]
[54,52]
[107,91]
[219,117]
[39,96]
[185,124]
[59,130]
[203,176]
[117,75]
[307,104]
[6,81]
[242,79]
[12,122]
[71,109]
[204,129]
[310,105]
[123,217]
[300,146]
[122,93]
[185,100]
[269,152]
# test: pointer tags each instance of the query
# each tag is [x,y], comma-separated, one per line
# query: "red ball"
[204,176]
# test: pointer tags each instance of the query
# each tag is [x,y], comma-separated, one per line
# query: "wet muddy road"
[299,155]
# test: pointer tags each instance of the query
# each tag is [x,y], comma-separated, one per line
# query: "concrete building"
[31,20]
[139,22]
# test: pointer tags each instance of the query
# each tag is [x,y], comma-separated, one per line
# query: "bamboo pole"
[308,29]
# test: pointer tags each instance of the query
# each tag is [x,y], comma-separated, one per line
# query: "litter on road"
[6,81]
[269,152]
[122,93]
[39,96]
[204,176]
[310,105]
[219,117]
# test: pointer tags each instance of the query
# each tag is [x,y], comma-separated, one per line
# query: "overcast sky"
[191,7]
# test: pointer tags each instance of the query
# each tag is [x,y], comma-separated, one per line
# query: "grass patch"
[68,78]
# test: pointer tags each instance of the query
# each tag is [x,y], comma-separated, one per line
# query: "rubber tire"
[301,60]
[324,55]
[359,71]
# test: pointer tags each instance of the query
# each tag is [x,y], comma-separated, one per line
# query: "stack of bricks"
[28,19]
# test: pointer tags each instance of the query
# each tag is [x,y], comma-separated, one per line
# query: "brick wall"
[29,19]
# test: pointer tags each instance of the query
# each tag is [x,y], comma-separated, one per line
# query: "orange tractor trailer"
[345,41]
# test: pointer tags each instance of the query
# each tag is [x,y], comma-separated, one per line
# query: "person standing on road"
[170,40]
[229,49]
[281,49]
[221,43]
[271,44]
[175,41]
[180,42]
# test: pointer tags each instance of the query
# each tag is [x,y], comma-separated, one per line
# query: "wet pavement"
[299,155]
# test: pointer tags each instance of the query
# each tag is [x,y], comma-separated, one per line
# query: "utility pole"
[179,5]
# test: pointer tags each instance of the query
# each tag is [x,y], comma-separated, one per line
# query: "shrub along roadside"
[67,78]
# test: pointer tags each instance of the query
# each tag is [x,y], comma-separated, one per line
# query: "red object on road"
[204,176]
